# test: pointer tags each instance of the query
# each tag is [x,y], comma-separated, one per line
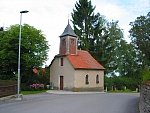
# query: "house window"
[86,79]
[97,79]
[61,61]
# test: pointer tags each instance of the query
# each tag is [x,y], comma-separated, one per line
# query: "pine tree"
[96,35]
[83,20]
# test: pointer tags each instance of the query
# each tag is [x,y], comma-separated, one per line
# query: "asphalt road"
[75,103]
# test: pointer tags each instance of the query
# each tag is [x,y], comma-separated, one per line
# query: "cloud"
[111,11]
[125,11]
[140,6]
[51,15]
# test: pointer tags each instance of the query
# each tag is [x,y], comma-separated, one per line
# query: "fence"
[8,90]
[144,105]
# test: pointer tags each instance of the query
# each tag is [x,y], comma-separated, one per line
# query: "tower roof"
[68,31]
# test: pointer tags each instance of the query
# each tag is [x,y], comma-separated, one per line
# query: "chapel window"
[61,61]
[86,79]
[97,79]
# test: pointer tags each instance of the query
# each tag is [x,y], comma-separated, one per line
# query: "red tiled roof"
[84,61]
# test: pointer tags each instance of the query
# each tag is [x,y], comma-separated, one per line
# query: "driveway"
[74,103]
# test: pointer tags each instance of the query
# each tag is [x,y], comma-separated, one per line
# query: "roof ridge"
[83,51]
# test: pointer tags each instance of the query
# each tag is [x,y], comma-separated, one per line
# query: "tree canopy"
[96,35]
[34,49]
[83,20]
[105,41]
[140,37]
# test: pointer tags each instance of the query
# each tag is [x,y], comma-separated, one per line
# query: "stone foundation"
[85,89]
[95,89]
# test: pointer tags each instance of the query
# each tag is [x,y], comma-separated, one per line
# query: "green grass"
[32,92]
[121,91]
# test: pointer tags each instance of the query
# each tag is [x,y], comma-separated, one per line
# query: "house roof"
[68,31]
[84,61]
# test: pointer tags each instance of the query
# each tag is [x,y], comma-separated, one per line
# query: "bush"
[25,87]
[33,87]
[146,74]
[7,82]
[32,78]
[37,86]
[120,82]
[7,77]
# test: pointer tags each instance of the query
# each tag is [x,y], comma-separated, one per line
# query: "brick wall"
[144,105]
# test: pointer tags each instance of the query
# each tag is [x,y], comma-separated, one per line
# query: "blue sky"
[51,16]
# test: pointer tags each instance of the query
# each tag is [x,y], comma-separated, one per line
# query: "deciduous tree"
[140,37]
[96,35]
[34,50]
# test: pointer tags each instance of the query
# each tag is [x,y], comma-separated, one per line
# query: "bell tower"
[68,42]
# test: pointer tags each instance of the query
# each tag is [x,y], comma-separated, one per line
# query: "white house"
[74,69]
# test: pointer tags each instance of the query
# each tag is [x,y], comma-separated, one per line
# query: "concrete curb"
[11,97]
[7,98]
[70,92]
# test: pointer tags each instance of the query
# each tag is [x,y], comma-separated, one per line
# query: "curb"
[11,97]
[7,98]
[71,93]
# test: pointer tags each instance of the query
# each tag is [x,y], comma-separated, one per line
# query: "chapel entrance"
[61,82]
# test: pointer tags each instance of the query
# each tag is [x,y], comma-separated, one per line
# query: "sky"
[51,16]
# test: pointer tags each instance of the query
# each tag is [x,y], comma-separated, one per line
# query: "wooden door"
[61,82]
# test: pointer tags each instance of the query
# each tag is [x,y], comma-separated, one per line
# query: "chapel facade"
[74,69]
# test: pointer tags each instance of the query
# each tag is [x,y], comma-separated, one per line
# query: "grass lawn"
[32,92]
[122,91]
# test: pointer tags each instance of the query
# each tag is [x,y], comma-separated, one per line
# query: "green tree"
[34,50]
[112,46]
[127,60]
[120,82]
[107,44]
[145,73]
[83,20]
[96,35]
[140,37]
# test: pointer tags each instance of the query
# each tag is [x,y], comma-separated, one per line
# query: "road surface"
[73,103]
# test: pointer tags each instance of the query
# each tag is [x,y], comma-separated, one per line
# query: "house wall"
[66,70]
[75,79]
[80,80]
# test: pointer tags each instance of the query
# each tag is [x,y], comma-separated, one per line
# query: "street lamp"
[18,91]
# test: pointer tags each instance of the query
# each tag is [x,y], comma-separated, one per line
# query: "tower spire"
[68,19]
[68,42]
[68,31]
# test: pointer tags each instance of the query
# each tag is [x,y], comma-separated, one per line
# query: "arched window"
[86,79]
[97,79]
